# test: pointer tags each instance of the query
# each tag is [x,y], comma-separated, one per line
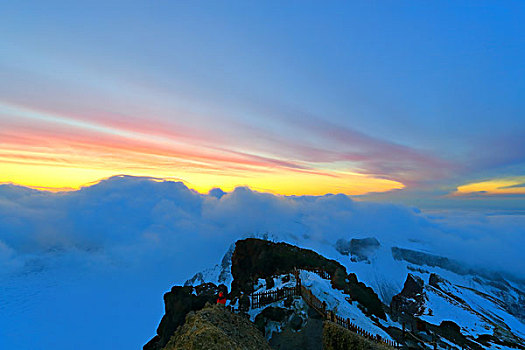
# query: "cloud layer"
[97,261]
[129,219]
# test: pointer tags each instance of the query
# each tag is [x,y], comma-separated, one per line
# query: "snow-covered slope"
[481,304]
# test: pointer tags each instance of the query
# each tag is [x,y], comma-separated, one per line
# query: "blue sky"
[407,102]
[409,99]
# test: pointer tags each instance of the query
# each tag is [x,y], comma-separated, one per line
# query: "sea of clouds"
[88,268]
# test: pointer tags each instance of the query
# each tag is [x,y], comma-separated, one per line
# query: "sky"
[400,101]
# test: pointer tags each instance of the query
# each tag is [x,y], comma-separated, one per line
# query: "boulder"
[273,313]
[411,300]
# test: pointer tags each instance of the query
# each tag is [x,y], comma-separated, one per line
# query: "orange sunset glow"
[55,153]
[511,185]
[47,175]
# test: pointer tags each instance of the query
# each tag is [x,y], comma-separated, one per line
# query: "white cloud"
[142,217]
[126,240]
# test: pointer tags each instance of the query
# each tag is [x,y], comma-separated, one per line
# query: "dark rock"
[422,258]
[225,264]
[343,246]
[207,289]
[254,258]
[451,331]
[269,282]
[177,304]
[273,313]
[288,301]
[485,339]
[413,286]
[358,248]
[450,326]
[442,284]
[513,298]
[154,343]
[411,300]
[339,279]
[364,295]
[197,278]
[435,280]
[362,248]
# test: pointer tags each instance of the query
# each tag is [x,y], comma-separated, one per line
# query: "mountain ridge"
[422,315]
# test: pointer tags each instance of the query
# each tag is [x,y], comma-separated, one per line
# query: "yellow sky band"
[58,178]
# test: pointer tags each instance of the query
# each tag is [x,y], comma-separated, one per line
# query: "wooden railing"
[421,341]
[313,301]
[346,323]
[329,315]
[270,296]
[264,298]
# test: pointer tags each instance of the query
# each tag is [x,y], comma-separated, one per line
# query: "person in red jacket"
[221,299]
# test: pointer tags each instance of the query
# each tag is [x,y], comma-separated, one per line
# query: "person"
[244,302]
[221,299]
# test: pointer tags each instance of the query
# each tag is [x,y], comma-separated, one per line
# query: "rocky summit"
[280,296]
[216,328]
